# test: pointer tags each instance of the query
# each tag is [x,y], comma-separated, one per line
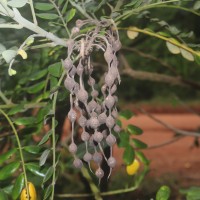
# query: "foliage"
[32,94]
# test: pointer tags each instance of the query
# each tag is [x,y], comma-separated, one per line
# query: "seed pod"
[87,157]
[117,129]
[72,148]
[94,122]
[76,88]
[102,118]
[98,109]
[77,163]
[79,23]
[110,122]
[97,157]
[75,30]
[99,173]
[113,89]
[80,69]
[98,136]
[109,101]
[92,105]
[117,45]
[68,64]
[111,140]
[91,81]
[82,95]
[72,115]
[115,113]
[109,80]
[94,93]
[108,55]
[72,71]
[82,121]
[85,136]
[69,83]
[111,162]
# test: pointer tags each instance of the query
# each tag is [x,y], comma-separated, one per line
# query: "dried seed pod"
[82,121]
[108,55]
[94,93]
[82,95]
[117,129]
[111,139]
[91,81]
[78,163]
[72,115]
[117,45]
[109,79]
[94,122]
[87,157]
[85,136]
[109,101]
[72,71]
[111,162]
[68,64]
[97,157]
[73,148]
[113,89]
[92,105]
[79,23]
[69,83]
[110,122]
[80,69]
[98,109]
[115,113]
[75,30]
[99,173]
[102,118]
[98,136]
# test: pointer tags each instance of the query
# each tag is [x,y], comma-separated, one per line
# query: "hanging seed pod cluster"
[97,108]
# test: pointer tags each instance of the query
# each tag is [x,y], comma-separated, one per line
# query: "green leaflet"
[9,170]
[18,186]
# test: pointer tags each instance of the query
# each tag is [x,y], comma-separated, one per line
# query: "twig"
[33,12]
[170,127]
[4,98]
[143,75]
[167,142]
[171,40]
[78,7]
[186,106]
[109,193]
[61,17]
[20,150]
[148,56]
[17,17]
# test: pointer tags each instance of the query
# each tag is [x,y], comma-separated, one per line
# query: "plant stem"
[78,7]
[61,17]
[109,193]
[171,40]
[54,136]
[26,106]
[178,7]
[20,149]
[33,12]
[4,98]
[16,16]
[139,9]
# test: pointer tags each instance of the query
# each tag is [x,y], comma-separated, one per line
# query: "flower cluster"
[97,109]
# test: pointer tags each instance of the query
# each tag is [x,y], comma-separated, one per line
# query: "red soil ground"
[176,164]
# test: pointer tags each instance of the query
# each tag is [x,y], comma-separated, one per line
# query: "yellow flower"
[133,167]
[32,192]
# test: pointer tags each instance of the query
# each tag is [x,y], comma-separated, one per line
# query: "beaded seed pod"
[98,112]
